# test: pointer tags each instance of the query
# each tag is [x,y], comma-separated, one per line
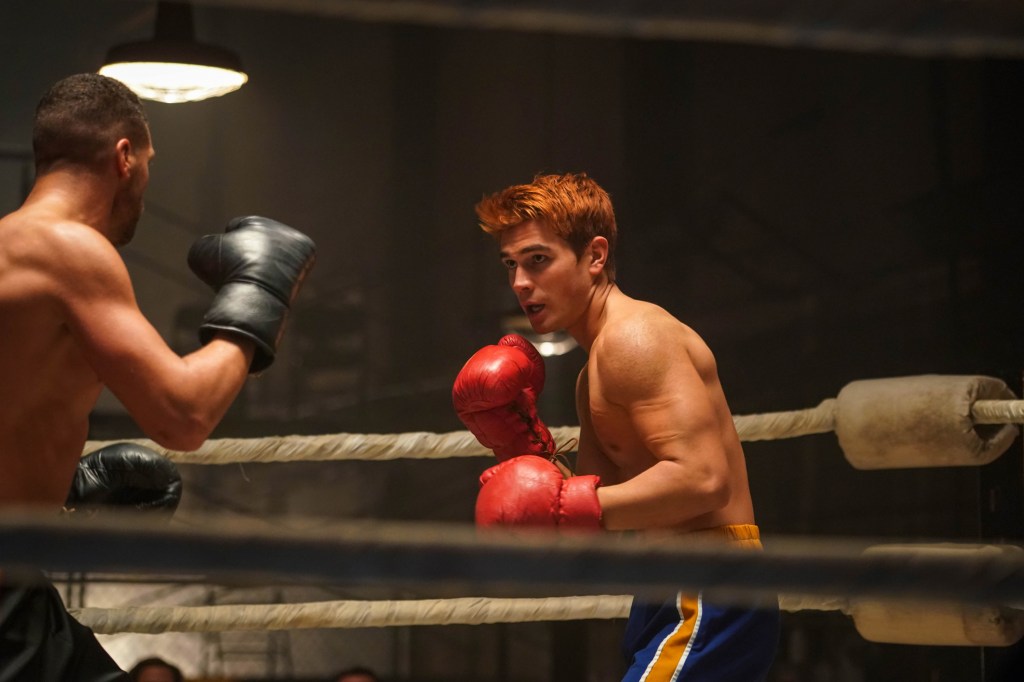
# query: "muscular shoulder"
[42,242]
[641,348]
[59,257]
[79,246]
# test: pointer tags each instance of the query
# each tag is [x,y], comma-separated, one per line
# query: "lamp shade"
[173,67]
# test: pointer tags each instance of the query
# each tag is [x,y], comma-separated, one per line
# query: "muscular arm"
[648,378]
[177,401]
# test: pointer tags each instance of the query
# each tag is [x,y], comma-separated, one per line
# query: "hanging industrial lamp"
[173,67]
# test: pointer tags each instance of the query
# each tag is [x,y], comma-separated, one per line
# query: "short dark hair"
[154,661]
[83,116]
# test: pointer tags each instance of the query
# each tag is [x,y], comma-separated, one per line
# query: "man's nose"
[520,280]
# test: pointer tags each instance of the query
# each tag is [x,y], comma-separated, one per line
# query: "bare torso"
[69,324]
[676,376]
[48,388]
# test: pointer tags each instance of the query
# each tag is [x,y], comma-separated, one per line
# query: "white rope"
[779,425]
[342,446]
[424,445]
[998,412]
[366,614]
[351,614]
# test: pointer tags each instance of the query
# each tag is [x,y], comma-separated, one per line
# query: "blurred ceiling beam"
[920,28]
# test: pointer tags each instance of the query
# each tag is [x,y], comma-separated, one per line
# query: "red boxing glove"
[495,396]
[531,491]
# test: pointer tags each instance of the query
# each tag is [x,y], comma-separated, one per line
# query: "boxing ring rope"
[987,581]
[354,613]
[351,614]
[455,558]
[424,445]
[927,420]
[954,403]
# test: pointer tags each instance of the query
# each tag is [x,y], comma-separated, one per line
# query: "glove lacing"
[560,460]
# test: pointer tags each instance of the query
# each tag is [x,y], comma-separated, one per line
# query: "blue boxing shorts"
[689,640]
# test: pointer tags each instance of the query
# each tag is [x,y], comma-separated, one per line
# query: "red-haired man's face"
[552,285]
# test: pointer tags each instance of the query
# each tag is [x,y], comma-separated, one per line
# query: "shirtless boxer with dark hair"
[658,451]
[71,325]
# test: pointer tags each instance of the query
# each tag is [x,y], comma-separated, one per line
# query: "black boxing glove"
[256,267]
[125,475]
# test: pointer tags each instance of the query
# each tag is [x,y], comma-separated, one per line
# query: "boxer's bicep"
[654,381]
[173,399]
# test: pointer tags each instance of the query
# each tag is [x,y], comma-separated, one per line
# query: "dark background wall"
[818,216]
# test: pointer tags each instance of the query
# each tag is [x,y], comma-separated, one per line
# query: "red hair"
[575,207]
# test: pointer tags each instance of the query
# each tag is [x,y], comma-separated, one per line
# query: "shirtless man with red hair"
[658,450]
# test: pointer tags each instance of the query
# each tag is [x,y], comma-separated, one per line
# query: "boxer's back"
[47,388]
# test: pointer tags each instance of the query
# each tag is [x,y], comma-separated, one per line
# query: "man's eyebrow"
[526,249]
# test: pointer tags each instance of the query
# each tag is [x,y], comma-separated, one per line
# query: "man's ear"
[597,252]
[125,156]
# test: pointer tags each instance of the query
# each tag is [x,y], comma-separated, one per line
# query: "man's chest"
[607,425]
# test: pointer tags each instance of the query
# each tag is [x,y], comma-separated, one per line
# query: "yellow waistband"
[740,535]
[743,535]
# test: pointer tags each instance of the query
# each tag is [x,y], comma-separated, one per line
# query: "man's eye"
[538,259]
[510,264]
